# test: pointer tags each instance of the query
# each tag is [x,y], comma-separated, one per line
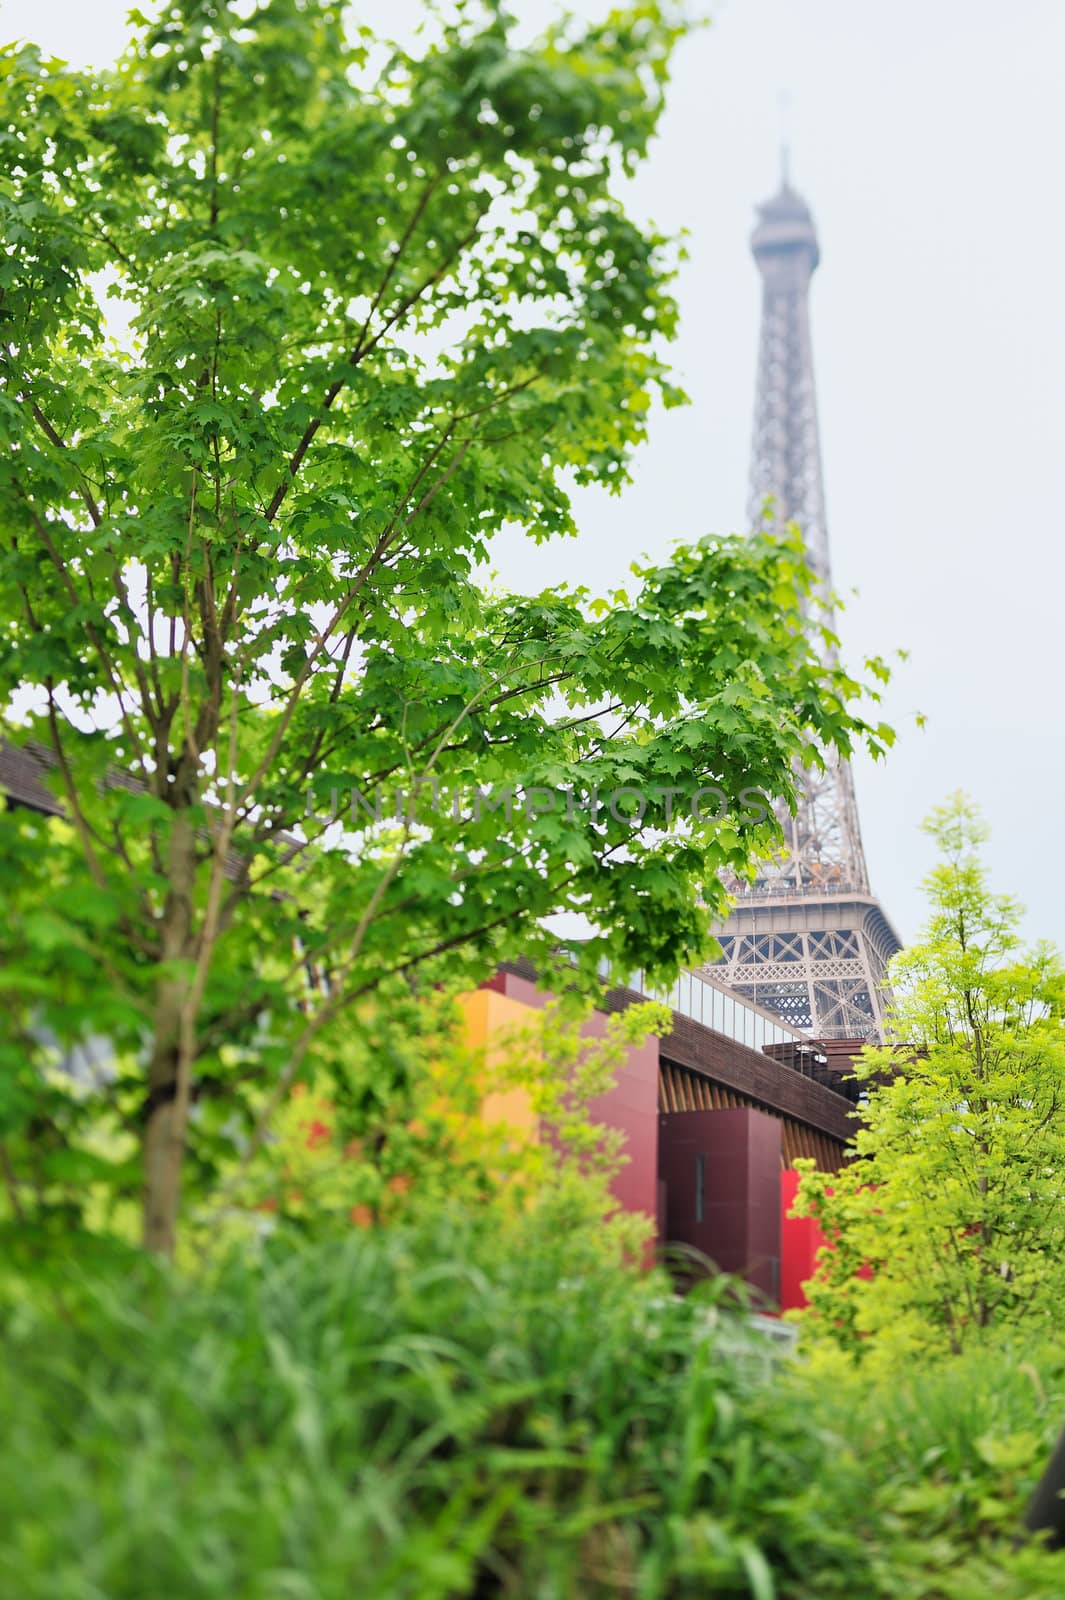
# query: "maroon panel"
[632,1106]
[660,1209]
[722,1175]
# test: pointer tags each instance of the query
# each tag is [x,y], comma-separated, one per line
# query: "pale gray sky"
[927,136]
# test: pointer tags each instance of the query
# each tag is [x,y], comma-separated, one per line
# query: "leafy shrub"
[952,1222]
[452,1408]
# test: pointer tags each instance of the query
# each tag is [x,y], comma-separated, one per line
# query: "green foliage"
[941,1457]
[458,1408]
[373,307]
[952,1220]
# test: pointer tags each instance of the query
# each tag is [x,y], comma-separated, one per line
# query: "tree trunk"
[1046,1512]
[164,1139]
[163,1144]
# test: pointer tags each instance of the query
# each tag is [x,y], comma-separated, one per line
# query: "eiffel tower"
[807,940]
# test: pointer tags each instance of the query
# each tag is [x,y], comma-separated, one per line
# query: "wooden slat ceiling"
[681,1089]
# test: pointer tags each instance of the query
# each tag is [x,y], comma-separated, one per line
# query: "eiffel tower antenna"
[784,107]
[807,940]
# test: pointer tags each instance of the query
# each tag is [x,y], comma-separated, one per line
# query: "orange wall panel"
[489,1018]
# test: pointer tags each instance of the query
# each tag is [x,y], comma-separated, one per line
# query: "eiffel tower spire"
[807,940]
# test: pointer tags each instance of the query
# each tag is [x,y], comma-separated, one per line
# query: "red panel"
[800,1240]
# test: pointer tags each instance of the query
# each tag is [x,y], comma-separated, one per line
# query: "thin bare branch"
[91,504]
[358,354]
[397,255]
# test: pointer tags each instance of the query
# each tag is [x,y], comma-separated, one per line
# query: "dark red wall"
[740,1226]
[632,1106]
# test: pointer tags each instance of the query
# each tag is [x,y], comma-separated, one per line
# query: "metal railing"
[713,1006]
[787,888]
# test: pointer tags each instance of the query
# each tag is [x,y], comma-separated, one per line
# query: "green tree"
[372,307]
[952,1219]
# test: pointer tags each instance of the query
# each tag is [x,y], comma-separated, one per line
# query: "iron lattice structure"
[807,940]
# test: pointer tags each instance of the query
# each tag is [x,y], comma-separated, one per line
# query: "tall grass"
[437,1411]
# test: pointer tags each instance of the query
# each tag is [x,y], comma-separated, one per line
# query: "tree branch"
[54,438]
